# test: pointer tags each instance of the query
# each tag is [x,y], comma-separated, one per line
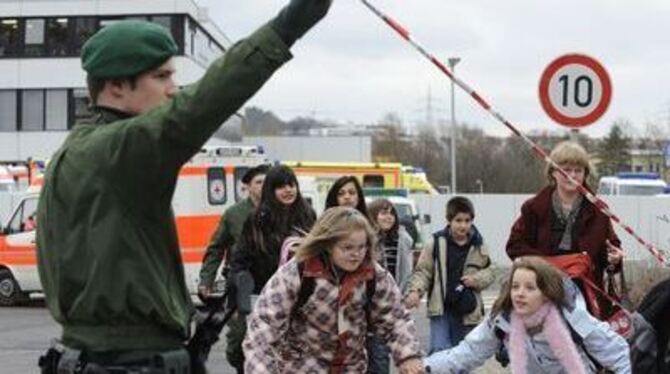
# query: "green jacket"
[226,235]
[108,254]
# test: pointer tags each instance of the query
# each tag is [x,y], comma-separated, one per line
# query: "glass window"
[24,217]
[372,180]
[82,105]
[7,110]
[34,39]
[9,36]
[165,21]
[56,110]
[216,186]
[239,172]
[137,18]
[32,110]
[57,37]
[84,27]
[109,21]
[189,37]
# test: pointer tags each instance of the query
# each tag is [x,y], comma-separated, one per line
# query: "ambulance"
[208,184]
[14,176]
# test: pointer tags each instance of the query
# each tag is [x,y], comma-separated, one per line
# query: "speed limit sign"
[575,90]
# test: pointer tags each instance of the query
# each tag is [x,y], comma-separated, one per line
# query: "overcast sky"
[353,68]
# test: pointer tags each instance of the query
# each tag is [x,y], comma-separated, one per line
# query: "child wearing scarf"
[535,318]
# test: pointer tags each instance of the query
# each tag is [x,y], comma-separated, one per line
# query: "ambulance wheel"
[10,292]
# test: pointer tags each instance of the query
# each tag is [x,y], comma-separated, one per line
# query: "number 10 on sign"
[575,90]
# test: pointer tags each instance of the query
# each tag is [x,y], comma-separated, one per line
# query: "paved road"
[25,333]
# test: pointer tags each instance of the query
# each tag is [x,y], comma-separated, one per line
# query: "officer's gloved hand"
[296,18]
[244,286]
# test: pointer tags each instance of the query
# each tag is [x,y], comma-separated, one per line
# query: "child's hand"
[614,253]
[412,300]
[412,366]
[468,281]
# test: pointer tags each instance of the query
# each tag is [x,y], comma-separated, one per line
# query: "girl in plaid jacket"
[326,334]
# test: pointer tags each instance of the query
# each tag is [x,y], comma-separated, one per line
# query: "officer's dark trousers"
[237,328]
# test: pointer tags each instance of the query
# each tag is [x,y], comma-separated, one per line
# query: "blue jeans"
[378,355]
[446,331]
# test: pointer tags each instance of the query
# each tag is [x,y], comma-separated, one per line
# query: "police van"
[208,184]
[632,184]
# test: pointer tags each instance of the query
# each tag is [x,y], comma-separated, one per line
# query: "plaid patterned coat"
[327,334]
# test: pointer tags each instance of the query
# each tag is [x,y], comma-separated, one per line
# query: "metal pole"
[452,65]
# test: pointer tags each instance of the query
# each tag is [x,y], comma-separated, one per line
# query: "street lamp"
[452,66]
[479,183]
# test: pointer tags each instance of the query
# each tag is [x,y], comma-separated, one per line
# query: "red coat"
[531,233]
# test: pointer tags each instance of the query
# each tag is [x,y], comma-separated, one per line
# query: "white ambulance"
[208,184]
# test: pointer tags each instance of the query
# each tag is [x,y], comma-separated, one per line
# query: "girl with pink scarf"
[536,319]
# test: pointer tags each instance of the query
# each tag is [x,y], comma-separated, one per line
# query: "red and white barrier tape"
[600,204]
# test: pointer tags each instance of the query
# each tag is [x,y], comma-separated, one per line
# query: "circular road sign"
[575,90]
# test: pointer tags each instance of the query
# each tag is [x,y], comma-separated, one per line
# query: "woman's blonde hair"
[568,153]
[335,224]
[549,281]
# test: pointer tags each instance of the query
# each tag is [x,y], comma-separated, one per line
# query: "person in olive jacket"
[108,253]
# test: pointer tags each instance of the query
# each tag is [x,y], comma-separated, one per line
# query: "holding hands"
[614,254]
[412,300]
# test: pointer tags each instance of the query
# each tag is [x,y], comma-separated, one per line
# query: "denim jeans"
[446,331]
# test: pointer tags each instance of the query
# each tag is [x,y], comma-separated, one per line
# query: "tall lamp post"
[452,66]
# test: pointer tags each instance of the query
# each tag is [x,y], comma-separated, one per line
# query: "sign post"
[575,91]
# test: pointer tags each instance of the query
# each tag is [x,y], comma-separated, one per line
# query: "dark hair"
[274,221]
[549,281]
[380,205]
[253,172]
[459,204]
[96,85]
[331,199]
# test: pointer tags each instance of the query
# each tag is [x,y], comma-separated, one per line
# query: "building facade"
[42,85]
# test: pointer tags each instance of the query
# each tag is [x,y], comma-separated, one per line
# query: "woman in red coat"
[559,220]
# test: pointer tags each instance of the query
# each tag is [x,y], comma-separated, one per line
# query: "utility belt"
[60,359]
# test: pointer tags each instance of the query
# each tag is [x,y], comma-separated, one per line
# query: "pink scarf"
[548,320]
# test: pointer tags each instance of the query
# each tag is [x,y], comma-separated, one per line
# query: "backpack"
[307,286]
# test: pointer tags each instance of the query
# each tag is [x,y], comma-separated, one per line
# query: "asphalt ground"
[25,333]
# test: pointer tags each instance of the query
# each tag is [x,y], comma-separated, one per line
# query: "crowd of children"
[341,301]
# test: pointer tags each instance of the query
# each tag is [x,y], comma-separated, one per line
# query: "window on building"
[189,36]
[9,37]
[82,105]
[56,110]
[34,37]
[57,37]
[7,110]
[32,110]
[110,21]
[137,18]
[165,21]
[84,27]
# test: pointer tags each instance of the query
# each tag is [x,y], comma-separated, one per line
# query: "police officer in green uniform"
[108,254]
[224,238]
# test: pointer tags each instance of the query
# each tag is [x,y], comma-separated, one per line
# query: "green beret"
[127,48]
